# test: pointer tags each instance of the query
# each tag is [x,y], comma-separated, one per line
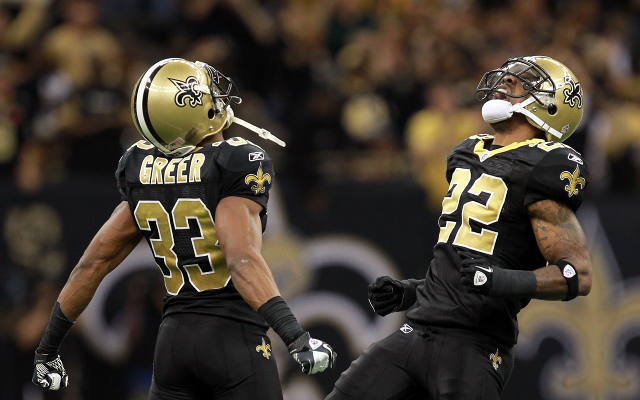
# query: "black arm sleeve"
[410,296]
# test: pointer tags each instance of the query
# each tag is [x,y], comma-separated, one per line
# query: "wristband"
[571,276]
[59,326]
[280,318]
[409,295]
[513,283]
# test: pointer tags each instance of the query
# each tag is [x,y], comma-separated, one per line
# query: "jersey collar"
[483,153]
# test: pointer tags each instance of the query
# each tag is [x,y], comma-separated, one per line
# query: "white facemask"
[500,110]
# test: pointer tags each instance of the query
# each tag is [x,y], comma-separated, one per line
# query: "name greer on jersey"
[159,170]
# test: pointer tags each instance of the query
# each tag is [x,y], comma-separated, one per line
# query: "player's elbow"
[584,282]
[97,261]
[585,278]
[88,270]
[240,261]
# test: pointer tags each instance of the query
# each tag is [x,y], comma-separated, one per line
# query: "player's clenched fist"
[476,273]
[386,295]
[49,372]
[313,355]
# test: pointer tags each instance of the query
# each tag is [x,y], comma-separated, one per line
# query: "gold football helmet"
[553,99]
[177,103]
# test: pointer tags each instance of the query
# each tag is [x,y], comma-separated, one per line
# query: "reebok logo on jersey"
[406,328]
[569,271]
[479,278]
[265,348]
[574,180]
[575,158]
[257,156]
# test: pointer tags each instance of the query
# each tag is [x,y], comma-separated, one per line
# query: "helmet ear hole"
[553,110]
[210,114]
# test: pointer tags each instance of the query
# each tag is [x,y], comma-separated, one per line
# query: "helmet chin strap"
[263,133]
[499,110]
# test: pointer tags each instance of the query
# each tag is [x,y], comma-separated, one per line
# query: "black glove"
[386,295]
[49,373]
[478,274]
[313,355]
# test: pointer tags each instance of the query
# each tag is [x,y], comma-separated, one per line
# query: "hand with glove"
[480,275]
[313,355]
[49,373]
[388,295]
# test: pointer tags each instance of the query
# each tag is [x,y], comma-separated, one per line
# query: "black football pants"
[200,357]
[433,364]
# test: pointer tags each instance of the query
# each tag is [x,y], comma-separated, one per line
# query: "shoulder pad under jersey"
[560,175]
[247,170]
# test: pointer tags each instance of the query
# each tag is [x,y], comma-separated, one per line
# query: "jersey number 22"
[483,241]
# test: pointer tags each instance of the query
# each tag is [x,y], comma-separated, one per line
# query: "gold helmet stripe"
[142,96]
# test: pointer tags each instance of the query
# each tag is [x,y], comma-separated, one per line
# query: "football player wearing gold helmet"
[508,234]
[201,204]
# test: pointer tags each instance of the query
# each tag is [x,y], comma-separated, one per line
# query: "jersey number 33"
[203,276]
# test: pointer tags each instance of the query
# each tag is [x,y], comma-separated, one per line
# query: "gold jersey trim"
[483,153]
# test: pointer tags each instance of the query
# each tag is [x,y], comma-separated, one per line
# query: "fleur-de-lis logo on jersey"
[572,94]
[188,89]
[258,180]
[496,360]
[265,348]
[574,181]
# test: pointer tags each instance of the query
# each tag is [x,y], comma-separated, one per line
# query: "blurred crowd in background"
[361,90]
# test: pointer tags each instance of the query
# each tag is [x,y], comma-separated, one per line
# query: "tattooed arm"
[560,237]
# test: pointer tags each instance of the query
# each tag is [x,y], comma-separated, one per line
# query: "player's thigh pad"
[204,357]
[380,371]
[466,366]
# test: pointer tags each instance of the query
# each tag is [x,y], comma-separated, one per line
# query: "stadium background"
[370,96]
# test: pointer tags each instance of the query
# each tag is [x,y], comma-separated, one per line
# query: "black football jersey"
[174,200]
[485,211]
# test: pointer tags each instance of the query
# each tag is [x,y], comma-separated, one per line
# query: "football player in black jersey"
[508,234]
[201,204]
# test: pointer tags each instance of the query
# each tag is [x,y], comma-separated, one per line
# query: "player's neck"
[510,131]
[211,139]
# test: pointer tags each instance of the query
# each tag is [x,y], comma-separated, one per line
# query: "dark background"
[370,96]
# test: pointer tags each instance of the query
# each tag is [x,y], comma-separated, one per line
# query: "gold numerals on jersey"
[215,274]
[162,246]
[459,182]
[484,214]
[548,146]
[203,245]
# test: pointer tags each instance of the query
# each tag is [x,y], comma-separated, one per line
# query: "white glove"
[313,355]
[49,373]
